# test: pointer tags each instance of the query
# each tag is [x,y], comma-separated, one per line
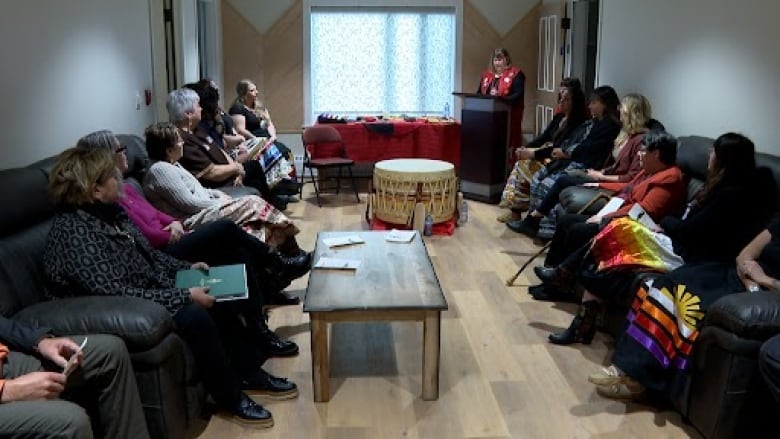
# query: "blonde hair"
[242,89]
[76,172]
[635,113]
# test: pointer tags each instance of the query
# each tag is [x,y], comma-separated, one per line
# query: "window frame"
[309,5]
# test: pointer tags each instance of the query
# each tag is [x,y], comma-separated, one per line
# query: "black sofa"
[726,396]
[171,393]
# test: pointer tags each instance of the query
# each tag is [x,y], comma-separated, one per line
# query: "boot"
[582,328]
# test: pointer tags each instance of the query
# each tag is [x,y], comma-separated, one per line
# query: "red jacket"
[661,194]
[504,83]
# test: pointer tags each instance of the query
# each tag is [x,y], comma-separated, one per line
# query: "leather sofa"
[725,395]
[171,393]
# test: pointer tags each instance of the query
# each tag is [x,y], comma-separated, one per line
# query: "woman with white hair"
[205,159]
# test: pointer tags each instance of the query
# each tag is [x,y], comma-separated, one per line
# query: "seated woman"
[635,114]
[252,120]
[587,147]
[659,189]
[94,249]
[733,199]
[646,360]
[202,156]
[178,193]
[280,175]
[530,158]
[217,243]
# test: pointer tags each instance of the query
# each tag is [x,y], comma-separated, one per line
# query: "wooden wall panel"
[242,53]
[283,68]
[522,42]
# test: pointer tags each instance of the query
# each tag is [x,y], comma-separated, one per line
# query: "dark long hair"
[609,97]
[579,110]
[735,163]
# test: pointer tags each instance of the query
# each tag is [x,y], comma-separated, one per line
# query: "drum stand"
[510,282]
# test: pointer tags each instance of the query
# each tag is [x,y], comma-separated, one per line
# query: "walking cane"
[511,280]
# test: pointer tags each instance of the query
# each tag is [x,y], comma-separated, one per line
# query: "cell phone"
[70,366]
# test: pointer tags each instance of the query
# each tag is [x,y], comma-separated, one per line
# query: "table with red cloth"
[375,141]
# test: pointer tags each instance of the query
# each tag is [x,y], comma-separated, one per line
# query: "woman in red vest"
[507,81]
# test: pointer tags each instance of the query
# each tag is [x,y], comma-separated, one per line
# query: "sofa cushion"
[25,199]
[21,268]
[141,323]
[749,315]
[137,158]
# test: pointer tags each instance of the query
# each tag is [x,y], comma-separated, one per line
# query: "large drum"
[402,183]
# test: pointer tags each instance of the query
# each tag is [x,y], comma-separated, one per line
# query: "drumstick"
[511,280]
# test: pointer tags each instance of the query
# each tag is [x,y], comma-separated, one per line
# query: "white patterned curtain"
[381,61]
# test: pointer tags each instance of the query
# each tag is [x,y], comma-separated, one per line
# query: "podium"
[484,141]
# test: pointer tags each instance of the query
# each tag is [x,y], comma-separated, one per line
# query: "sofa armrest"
[141,323]
[748,315]
[573,198]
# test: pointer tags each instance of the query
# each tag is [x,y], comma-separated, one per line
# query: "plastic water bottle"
[428,227]
[446,110]
[463,215]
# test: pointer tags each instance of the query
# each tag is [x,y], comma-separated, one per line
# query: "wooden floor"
[500,378]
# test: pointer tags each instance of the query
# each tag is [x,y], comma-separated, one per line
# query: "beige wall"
[276,57]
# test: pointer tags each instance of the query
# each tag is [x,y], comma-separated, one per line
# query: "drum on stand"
[400,184]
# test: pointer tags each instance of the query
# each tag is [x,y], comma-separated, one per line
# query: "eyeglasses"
[121,149]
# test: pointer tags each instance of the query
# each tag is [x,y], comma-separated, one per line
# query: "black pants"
[255,177]
[554,194]
[222,348]
[769,364]
[571,234]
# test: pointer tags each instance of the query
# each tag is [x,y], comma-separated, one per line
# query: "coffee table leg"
[320,364]
[431,339]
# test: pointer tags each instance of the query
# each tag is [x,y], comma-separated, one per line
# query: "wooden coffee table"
[394,282]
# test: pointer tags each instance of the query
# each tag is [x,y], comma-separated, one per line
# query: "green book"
[225,282]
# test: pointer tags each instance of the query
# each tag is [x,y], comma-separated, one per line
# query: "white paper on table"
[343,240]
[337,264]
[400,235]
[638,213]
[612,205]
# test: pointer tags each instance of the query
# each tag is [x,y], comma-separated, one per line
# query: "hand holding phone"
[70,366]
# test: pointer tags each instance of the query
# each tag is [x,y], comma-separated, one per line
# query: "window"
[381,61]
[548,52]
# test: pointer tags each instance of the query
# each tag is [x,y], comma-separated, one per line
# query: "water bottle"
[428,227]
[463,215]
[446,110]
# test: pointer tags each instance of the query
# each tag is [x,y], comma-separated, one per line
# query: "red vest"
[504,81]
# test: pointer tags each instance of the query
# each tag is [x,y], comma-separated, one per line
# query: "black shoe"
[268,385]
[280,298]
[286,187]
[551,293]
[273,346]
[546,274]
[582,328]
[279,203]
[528,226]
[296,266]
[249,412]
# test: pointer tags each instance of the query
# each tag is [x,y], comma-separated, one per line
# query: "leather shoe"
[280,298]
[273,346]
[528,226]
[296,266]
[550,293]
[263,383]
[249,412]
[286,187]
[546,274]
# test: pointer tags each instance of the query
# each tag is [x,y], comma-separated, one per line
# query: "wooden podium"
[484,141]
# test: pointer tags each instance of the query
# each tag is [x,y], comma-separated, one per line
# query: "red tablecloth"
[372,142]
